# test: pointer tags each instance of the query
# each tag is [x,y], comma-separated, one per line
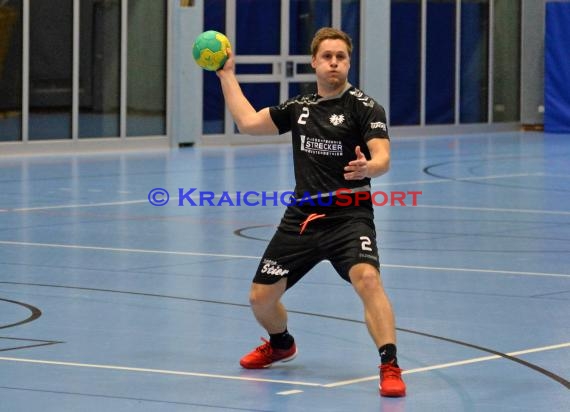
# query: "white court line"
[113,249]
[450,364]
[286,382]
[503,272]
[496,209]
[291,392]
[157,371]
[76,206]
[458,179]
[555,175]
[222,255]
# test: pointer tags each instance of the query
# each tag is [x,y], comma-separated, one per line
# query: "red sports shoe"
[265,355]
[391,383]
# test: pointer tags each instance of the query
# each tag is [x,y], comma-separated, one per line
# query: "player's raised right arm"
[248,120]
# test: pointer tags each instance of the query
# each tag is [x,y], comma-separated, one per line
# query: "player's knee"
[260,295]
[366,279]
[371,280]
[255,298]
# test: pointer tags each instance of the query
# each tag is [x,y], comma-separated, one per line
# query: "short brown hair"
[326,33]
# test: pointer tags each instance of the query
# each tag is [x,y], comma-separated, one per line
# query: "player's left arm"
[377,165]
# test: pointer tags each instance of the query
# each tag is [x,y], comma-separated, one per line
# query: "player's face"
[331,63]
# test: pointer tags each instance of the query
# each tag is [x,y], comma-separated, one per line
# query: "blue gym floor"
[108,303]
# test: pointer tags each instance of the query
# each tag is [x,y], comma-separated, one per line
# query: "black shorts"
[344,236]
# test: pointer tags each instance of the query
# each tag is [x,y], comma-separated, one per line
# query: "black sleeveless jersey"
[325,133]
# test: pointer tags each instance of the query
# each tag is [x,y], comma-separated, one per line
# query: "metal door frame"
[279,71]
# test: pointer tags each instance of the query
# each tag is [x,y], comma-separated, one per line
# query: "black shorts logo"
[270,267]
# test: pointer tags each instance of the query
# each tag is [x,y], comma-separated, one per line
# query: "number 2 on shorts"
[366,242]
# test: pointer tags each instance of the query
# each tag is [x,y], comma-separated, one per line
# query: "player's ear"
[313,62]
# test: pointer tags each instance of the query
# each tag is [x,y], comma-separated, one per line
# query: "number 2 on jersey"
[304,116]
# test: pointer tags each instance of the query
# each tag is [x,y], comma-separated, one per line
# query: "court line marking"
[497,209]
[458,179]
[286,382]
[73,206]
[555,175]
[291,392]
[157,371]
[453,269]
[222,255]
[126,250]
[451,364]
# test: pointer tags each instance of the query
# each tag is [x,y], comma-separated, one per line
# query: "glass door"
[271,39]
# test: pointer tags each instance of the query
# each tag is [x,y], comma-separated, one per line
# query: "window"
[11,71]
[405,62]
[474,88]
[100,69]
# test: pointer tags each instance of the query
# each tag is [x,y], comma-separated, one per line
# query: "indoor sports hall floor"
[108,303]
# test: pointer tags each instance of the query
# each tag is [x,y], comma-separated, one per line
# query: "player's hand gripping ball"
[209,50]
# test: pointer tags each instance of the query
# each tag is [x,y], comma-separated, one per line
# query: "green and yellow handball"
[209,50]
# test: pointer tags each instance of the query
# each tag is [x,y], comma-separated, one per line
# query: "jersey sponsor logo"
[337,119]
[378,125]
[270,267]
[319,146]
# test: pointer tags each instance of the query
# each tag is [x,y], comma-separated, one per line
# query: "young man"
[340,141]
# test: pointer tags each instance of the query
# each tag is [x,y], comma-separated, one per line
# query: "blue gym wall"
[557,68]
